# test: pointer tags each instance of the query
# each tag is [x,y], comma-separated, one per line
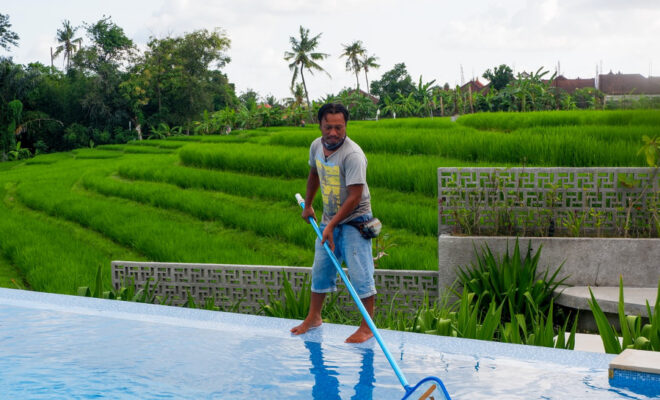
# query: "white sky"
[433,38]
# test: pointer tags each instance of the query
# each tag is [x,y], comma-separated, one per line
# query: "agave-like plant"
[540,332]
[468,322]
[295,306]
[512,278]
[463,319]
[634,335]
[127,292]
[147,294]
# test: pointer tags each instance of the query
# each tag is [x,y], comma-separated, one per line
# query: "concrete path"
[588,342]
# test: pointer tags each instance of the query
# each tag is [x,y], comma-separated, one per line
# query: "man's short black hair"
[332,108]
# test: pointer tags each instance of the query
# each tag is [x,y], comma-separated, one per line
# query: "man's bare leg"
[363,333]
[313,318]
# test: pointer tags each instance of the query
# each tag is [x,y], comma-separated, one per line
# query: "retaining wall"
[247,285]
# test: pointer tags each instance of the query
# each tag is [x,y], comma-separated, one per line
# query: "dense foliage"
[8,37]
[109,92]
[400,96]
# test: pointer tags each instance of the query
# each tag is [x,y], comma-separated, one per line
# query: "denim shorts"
[352,249]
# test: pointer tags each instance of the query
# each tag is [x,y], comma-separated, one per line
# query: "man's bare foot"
[361,335]
[306,325]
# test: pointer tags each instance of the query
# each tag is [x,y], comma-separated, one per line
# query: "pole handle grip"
[300,200]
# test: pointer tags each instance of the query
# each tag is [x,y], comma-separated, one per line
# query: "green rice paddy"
[229,199]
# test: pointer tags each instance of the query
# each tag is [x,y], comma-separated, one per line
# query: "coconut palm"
[366,63]
[297,92]
[353,52]
[390,107]
[7,37]
[302,55]
[68,44]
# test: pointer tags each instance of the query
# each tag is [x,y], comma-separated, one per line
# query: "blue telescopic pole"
[357,300]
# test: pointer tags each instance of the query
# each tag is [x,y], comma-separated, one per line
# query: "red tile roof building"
[624,84]
[571,85]
[475,85]
[371,97]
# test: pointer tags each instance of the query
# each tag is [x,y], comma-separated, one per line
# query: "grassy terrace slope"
[229,199]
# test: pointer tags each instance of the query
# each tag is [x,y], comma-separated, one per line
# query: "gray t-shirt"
[346,166]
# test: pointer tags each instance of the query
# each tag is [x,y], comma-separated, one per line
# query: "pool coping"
[637,360]
[335,333]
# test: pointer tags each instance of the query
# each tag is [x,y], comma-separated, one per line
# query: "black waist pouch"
[368,229]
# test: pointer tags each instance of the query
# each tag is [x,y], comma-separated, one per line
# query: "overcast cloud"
[433,38]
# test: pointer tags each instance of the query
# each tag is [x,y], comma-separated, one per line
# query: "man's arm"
[313,184]
[352,201]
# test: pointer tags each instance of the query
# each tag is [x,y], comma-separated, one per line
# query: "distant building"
[475,86]
[631,86]
[571,85]
[613,86]
[371,97]
[628,84]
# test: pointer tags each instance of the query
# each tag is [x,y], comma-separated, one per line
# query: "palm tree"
[298,92]
[390,107]
[302,56]
[352,52]
[366,63]
[7,37]
[68,44]
[296,99]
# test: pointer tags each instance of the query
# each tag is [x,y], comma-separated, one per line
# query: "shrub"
[76,135]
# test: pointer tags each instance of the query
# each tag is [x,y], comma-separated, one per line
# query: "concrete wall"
[588,261]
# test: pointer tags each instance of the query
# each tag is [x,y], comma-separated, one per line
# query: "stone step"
[635,298]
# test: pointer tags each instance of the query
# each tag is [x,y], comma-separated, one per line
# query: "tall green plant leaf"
[654,322]
[491,322]
[605,329]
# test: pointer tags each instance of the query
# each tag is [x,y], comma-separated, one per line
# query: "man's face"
[333,128]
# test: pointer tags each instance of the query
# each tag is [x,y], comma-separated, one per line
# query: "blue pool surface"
[68,347]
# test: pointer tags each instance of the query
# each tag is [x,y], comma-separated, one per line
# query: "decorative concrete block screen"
[549,201]
[230,284]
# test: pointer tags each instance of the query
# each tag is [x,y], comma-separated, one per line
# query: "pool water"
[55,346]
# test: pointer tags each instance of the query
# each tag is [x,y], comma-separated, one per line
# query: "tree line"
[108,91]
[396,94]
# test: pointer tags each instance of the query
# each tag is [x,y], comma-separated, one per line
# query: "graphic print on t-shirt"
[330,186]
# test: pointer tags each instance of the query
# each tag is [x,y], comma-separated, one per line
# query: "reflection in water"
[326,384]
[365,386]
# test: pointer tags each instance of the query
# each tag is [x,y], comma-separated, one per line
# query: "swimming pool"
[56,346]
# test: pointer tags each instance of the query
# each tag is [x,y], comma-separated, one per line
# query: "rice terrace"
[227,199]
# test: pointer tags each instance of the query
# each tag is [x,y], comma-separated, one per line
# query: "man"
[339,168]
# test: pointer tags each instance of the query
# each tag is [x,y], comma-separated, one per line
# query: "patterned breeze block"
[228,284]
[540,201]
